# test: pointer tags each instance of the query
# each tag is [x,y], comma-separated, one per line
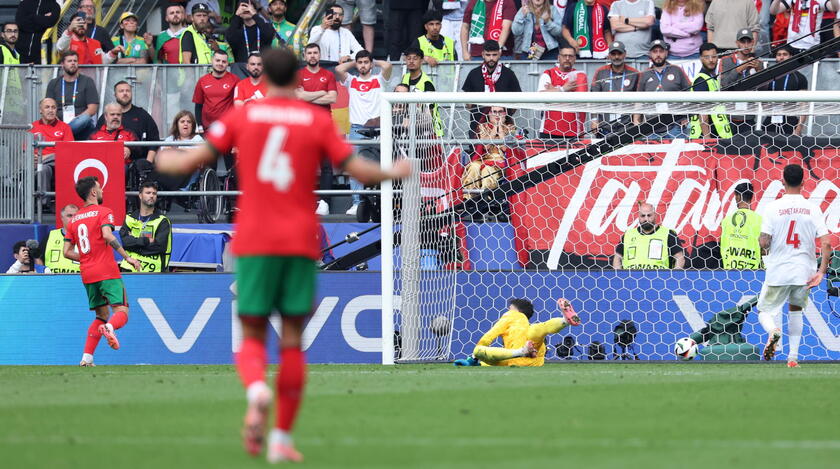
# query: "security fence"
[17,181]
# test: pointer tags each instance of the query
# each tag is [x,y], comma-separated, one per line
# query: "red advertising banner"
[690,183]
[104,160]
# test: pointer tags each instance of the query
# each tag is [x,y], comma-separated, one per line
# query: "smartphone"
[82,15]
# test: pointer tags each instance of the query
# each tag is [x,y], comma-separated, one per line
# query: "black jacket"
[33,17]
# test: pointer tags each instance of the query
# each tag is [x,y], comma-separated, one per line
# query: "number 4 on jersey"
[792,238]
[275,166]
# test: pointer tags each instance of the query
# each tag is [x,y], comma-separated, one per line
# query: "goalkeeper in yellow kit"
[524,343]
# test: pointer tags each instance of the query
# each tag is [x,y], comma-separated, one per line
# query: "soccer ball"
[440,325]
[686,349]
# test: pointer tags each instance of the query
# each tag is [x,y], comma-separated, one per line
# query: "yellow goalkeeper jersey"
[513,326]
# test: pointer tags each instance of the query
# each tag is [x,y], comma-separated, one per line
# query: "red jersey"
[567,124]
[215,94]
[247,91]
[277,164]
[90,51]
[322,80]
[58,131]
[96,259]
[120,134]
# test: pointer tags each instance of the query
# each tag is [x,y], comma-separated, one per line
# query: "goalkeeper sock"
[538,331]
[767,322]
[290,382]
[795,332]
[93,336]
[251,361]
[118,319]
[497,354]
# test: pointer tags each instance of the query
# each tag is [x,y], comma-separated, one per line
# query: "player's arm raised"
[368,172]
[184,161]
[108,236]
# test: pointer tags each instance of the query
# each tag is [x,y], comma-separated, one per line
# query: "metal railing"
[17,179]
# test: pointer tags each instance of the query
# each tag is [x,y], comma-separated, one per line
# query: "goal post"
[530,194]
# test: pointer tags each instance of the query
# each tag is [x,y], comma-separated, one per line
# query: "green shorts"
[284,284]
[107,292]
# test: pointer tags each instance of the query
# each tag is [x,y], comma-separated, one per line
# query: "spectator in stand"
[137,120]
[93,31]
[365,91]
[785,124]
[737,66]
[214,91]
[367,16]
[490,77]
[34,17]
[136,49]
[90,50]
[10,55]
[587,29]
[48,129]
[681,24]
[198,41]
[317,86]
[649,245]
[615,77]
[453,18]
[113,131]
[405,22]
[725,18]
[662,76]
[337,44]
[485,170]
[487,20]
[537,31]
[184,129]
[248,32]
[168,42]
[715,124]
[558,125]
[436,48]
[283,28]
[252,87]
[76,95]
[805,19]
[213,10]
[631,21]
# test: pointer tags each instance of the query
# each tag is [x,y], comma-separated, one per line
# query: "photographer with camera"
[27,259]
[337,44]
[248,32]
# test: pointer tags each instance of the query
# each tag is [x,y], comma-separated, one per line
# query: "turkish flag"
[103,160]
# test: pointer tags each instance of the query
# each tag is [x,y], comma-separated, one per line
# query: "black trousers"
[404,26]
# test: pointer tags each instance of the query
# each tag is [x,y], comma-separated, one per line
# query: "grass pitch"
[569,415]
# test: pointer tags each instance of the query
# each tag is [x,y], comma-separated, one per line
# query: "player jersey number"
[792,238]
[275,165]
[84,241]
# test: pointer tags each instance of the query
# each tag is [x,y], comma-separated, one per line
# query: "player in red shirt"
[214,92]
[276,240]
[253,87]
[88,240]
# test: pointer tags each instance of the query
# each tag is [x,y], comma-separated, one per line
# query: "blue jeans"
[354,184]
[82,126]
[675,130]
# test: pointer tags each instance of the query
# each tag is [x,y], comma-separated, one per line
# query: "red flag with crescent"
[104,160]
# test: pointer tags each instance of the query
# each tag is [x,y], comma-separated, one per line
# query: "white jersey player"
[790,225]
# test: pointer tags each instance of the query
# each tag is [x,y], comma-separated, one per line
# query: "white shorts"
[772,299]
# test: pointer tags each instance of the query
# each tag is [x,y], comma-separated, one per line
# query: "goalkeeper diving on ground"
[524,343]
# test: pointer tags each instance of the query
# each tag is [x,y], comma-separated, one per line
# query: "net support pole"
[387,207]
[410,248]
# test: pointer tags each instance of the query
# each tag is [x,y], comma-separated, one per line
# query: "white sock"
[767,322]
[256,390]
[795,333]
[87,358]
[279,436]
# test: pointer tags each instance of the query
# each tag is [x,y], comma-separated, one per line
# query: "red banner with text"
[76,160]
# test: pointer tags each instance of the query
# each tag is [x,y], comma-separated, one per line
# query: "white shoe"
[323,208]
[352,209]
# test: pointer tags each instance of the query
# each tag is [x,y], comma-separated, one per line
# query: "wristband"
[626,20]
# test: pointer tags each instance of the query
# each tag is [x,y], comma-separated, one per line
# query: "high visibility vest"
[54,254]
[646,251]
[9,58]
[739,248]
[154,263]
[719,119]
[203,52]
[419,87]
[429,50]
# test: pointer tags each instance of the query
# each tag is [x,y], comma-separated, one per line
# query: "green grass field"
[570,415]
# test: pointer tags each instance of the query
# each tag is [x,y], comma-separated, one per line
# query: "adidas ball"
[440,325]
[686,349]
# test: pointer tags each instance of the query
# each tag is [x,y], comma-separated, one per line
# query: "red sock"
[290,380]
[93,336]
[251,361]
[118,319]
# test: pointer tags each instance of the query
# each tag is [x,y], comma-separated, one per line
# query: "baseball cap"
[659,43]
[744,34]
[200,7]
[127,14]
[617,45]
[272,1]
